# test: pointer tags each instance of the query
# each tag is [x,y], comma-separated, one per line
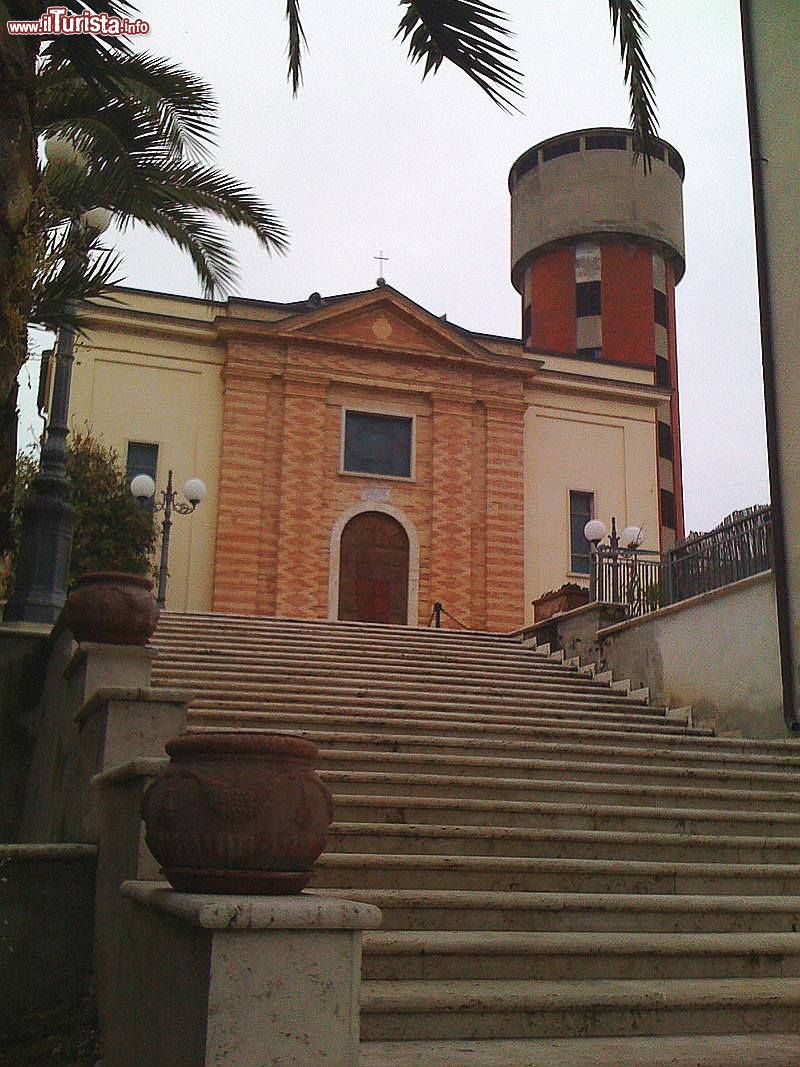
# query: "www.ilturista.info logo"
[60,20]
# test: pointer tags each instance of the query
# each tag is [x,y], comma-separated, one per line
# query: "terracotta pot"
[112,607]
[561,600]
[238,812]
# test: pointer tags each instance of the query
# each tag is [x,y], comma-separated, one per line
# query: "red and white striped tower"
[596,251]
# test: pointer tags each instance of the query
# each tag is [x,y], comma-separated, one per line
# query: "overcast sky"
[368,158]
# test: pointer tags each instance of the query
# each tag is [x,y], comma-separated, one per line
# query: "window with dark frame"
[561,148]
[664,440]
[142,458]
[587,298]
[668,509]
[663,376]
[377,444]
[617,141]
[581,509]
[659,307]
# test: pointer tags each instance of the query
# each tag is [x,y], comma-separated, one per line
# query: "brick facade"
[282,490]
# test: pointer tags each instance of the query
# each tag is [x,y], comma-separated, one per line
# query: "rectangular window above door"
[377,444]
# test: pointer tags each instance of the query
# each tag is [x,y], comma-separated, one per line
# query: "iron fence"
[632,578]
[643,581]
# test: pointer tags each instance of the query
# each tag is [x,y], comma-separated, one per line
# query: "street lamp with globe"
[144,488]
[43,558]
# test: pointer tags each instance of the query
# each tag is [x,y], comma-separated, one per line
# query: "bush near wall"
[112,532]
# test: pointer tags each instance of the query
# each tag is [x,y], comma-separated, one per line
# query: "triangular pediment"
[383,318]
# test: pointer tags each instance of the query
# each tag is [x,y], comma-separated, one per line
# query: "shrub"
[112,532]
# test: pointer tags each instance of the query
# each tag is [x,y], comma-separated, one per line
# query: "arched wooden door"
[373,570]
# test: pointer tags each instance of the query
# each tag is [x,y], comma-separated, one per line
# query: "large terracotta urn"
[238,812]
[113,607]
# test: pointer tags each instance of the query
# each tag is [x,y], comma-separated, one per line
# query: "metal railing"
[644,581]
[627,576]
[738,548]
[436,617]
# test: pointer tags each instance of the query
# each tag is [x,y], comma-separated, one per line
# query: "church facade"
[366,458]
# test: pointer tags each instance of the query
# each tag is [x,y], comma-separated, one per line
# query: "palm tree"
[142,143]
[470,34]
[142,128]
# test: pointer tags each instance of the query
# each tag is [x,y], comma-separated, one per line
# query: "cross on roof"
[381,259]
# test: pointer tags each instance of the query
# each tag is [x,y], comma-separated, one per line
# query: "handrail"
[438,610]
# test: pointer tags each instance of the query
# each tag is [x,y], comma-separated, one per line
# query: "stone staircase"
[568,876]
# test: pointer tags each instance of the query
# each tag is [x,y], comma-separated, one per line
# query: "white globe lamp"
[97,219]
[195,491]
[143,487]
[594,531]
[631,537]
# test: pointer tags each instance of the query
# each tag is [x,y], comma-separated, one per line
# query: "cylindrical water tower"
[596,252]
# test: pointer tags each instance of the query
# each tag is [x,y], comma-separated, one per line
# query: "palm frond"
[207,189]
[179,106]
[205,245]
[297,42]
[67,274]
[471,35]
[629,27]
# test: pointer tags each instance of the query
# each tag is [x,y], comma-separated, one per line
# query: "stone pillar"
[505,594]
[208,980]
[451,549]
[64,759]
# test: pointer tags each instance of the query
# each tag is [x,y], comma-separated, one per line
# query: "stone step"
[212,659]
[453,955]
[465,771]
[545,741]
[659,769]
[400,696]
[450,647]
[565,816]
[243,627]
[348,871]
[575,790]
[387,718]
[650,748]
[501,842]
[482,1010]
[376,683]
[238,625]
[567,913]
[696,1050]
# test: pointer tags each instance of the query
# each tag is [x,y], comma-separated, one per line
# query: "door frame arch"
[412,611]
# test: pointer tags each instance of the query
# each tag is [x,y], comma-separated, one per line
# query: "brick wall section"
[451,508]
[478,516]
[504,516]
[244,440]
[302,541]
[267,599]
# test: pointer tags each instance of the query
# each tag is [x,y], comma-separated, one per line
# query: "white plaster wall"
[166,390]
[717,652]
[588,444]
